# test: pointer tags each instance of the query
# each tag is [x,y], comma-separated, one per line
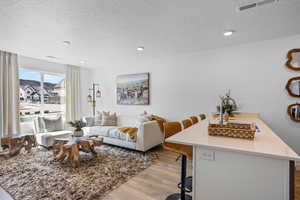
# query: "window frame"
[42,80]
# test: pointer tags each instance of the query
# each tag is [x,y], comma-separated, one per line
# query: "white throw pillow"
[142,118]
[50,124]
[90,121]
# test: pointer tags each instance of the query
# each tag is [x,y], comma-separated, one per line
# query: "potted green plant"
[78,125]
[229,104]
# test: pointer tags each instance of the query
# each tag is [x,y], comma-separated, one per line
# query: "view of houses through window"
[41,93]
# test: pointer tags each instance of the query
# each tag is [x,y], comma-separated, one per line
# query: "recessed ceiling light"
[140,48]
[67,43]
[82,61]
[228,33]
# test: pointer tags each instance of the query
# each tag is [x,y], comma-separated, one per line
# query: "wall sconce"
[98,93]
[89,98]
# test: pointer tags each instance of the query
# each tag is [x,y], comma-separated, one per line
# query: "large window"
[41,93]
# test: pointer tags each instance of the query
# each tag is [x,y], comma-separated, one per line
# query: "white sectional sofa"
[149,133]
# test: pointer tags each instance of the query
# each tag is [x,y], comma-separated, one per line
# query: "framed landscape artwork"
[133,89]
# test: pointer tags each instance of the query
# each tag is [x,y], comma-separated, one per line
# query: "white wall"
[185,85]
[86,83]
[45,66]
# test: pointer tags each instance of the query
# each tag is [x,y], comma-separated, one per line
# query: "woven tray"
[235,130]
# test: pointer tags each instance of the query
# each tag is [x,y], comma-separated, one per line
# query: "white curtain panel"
[73,94]
[9,94]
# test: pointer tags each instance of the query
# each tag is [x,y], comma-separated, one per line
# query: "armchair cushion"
[50,124]
[53,124]
[98,130]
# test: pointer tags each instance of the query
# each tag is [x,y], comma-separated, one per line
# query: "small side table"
[16,143]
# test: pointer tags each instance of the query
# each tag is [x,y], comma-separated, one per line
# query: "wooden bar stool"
[186,123]
[172,128]
[189,180]
[194,119]
[202,116]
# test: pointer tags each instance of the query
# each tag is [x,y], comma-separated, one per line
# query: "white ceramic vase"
[78,133]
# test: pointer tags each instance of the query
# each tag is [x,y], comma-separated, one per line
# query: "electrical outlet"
[207,155]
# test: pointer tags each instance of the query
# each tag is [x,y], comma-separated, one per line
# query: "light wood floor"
[156,182]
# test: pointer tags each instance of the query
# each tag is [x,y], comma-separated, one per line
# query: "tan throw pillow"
[109,119]
[98,119]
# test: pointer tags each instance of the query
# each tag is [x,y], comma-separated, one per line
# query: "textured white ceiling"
[107,32]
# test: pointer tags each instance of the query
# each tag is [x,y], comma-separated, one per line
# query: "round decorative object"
[293,61]
[78,133]
[293,86]
[294,112]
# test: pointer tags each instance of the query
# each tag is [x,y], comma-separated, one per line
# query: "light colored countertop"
[266,143]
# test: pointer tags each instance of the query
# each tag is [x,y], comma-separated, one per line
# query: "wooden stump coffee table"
[68,148]
[15,144]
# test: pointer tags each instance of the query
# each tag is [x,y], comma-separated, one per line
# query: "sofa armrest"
[47,139]
[149,135]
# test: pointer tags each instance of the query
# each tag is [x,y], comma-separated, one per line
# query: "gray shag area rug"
[36,176]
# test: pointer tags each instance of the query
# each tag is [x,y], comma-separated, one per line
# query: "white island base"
[225,175]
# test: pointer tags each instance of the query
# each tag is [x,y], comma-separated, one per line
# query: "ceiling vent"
[250,5]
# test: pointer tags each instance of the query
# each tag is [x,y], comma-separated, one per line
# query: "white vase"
[226,117]
[78,133]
